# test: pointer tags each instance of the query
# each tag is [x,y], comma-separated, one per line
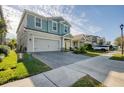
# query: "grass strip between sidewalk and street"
[87,81]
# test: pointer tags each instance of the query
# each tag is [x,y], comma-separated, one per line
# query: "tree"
[12,44]
[2,29]
[118,41]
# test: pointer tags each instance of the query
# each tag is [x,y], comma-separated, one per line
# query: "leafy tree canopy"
[2,23]
[118,41]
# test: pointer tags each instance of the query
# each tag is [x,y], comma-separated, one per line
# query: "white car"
[102,47]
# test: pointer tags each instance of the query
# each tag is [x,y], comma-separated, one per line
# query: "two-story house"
[37,33]
[81,39]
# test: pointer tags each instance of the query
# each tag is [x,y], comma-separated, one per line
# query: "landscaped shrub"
[88,47]
[77,51]
[82,49]
[1,57]
[71,49]
[4,50]
[5,47]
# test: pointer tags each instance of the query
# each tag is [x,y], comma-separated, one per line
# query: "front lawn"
[118,57]
[11,69]
[87,81]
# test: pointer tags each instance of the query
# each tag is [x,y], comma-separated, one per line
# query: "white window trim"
[40,22]
[56,26]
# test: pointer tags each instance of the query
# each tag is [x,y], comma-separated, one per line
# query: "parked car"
[101,47]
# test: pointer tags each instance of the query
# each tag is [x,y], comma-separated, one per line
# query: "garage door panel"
[46,45]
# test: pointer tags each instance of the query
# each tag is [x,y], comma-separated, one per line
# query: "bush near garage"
[80,50]
[4,50]
[76,51]
[88,52]
[88,47]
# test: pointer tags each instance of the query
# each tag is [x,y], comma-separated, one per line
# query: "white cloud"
[94,29]
[12,19]
[79,24]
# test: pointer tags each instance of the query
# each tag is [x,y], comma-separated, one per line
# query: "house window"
[66,28]
[54,26]
[38,22]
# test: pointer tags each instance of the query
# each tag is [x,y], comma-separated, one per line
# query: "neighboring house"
[108,43]
[2,35]
[37,33]
[82,39]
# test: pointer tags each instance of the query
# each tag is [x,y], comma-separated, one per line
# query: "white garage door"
[46,45]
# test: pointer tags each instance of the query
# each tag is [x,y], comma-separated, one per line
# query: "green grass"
[118,57]
[92,54]
[11,69]
[87,81]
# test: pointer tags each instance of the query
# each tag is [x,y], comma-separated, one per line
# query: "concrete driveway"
[109,72]
[58,59]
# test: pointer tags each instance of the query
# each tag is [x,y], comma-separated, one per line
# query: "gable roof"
[84,36]
[77,37]
[22,17]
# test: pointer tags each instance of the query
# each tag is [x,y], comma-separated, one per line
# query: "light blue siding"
[50,28]
[59,28]
[49,25]
[62,29]
[46,25]
[68,29]
[30,21]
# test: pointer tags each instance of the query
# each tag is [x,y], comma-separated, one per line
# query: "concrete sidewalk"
[109,72]
[61,77]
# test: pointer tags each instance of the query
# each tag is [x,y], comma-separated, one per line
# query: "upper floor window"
[54,26]
[38,22]
[66,28]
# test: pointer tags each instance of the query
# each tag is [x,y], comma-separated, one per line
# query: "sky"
[97,20]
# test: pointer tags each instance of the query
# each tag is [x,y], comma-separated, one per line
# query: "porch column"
[71,43]
[62,44]
[78,44]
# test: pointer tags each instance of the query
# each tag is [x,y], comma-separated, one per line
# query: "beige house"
[81,39]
